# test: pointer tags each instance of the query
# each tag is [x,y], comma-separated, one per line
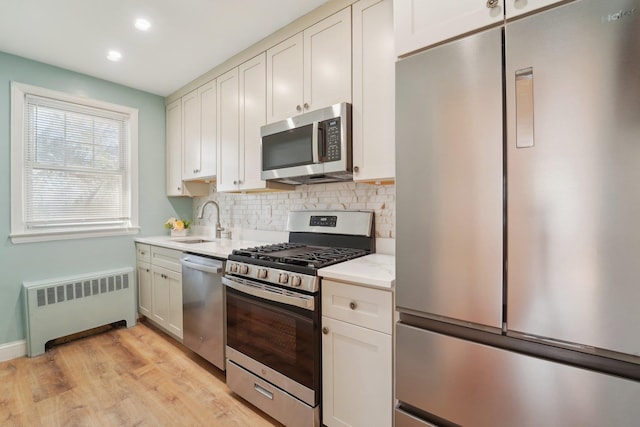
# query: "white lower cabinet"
[160,288]
[357,355]
[144,288]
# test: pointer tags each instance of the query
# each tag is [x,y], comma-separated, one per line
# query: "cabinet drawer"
[143,252]
[370,308]
[167,258]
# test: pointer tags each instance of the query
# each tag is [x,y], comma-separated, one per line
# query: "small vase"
[179,233]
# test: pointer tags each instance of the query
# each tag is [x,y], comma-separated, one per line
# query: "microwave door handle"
[322,144]
[314,143]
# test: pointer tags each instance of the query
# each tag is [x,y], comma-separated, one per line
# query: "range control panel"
[323,221]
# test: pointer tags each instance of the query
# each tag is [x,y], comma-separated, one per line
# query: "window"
[73,166]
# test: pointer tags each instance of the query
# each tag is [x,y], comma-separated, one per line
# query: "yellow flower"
[178,225]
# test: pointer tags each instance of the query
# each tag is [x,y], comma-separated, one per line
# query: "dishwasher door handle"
[200,267]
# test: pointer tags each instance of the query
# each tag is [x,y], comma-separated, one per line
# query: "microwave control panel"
[332,141]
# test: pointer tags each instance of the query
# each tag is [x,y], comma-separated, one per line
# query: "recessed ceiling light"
[142,24]
[114,56]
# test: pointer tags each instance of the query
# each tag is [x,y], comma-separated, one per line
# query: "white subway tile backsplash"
[268,211]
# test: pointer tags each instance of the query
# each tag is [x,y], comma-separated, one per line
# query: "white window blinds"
[76,165]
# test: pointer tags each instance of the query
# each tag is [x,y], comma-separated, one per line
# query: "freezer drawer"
[472,384]
[403,419]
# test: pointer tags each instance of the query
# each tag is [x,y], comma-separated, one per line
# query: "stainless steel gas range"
[273,311]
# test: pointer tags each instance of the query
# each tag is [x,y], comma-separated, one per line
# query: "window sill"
[45,236]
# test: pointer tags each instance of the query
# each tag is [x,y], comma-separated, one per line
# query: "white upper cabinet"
[310,70]
[519,7]
[373,112]
[174,149]
[422,23]
[199,132]
[284,79]
[253,114]
[228,131]
[327,60]
[242,111]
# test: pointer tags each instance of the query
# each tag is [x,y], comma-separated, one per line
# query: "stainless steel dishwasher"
[203,307]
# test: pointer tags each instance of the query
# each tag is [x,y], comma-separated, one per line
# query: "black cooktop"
[281,255]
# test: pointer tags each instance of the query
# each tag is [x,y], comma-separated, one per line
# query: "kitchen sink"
[192,241]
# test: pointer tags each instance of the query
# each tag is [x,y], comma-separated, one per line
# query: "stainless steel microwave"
[313,147]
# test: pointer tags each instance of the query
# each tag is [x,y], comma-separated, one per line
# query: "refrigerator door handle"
[524,108]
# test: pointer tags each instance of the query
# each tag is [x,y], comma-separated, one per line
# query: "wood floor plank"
[124,377]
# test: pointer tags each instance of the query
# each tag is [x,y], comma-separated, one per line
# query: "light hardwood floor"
[123,377]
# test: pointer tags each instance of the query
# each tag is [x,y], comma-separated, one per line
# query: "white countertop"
[220,248]
[376,270]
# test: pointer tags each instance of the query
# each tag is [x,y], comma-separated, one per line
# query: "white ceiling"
[187,37]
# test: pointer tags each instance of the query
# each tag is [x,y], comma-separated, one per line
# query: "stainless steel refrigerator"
[518,223]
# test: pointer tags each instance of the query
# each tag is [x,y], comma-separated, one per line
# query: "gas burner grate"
[299,254]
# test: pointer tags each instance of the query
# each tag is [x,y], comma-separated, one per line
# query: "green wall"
[36,261]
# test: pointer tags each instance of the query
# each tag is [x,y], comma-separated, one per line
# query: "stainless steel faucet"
[219,229]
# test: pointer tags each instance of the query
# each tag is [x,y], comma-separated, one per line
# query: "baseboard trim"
[13,350]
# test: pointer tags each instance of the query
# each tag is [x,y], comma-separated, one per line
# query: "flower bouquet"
[178,227]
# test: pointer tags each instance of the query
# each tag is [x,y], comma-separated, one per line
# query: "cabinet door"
[284,79]
[327,61]
[228,131]
[160,296]
[207,100]
[373,111]
[253,94]
[356,375]
[421,23]
[190,135]
[519,7]
[174,315]
[174,149]
[144,288]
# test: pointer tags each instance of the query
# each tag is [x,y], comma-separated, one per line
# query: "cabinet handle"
[353,305]
[240,181]
[142,252]
[325,330]
[306,106]
[493,3]
[298,108]
[356,169]
[179,188]
[147,270]
[235,182]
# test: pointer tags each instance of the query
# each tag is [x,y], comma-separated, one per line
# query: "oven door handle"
[298,300]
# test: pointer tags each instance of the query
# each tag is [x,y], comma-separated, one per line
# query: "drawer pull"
[263,391]
[353,305]
[325,330]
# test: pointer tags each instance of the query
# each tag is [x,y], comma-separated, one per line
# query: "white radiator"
[60,307]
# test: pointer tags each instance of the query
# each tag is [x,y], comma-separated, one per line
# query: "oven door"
[275,333]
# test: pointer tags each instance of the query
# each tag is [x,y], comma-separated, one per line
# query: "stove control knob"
[244,269]
[233,268]
[262,273]
[283,278]
[296,281]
